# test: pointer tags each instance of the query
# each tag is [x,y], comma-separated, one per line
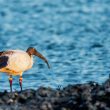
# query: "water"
[74,35]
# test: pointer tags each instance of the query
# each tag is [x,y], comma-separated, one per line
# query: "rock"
[22,98]
[43,107]
[5,98]
[46,106]
[1,102]
[106,84]
[107,91]
[45,92]
[101,93]
[10,101]
[89,96]
[29,93]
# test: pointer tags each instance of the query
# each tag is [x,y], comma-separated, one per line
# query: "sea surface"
[74,35]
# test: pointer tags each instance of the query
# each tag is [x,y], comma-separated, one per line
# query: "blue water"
[74,35]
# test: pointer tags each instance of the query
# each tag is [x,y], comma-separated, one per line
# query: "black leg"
[10,81]
[20,82]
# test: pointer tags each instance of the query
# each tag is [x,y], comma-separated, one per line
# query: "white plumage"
[18,62]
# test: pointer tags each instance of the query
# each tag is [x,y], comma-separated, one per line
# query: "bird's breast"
[19,62]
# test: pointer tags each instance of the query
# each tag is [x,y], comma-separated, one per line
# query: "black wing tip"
[3,61]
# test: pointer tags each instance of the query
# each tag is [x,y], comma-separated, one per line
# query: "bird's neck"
[31,57]
[29,53]
[31,61]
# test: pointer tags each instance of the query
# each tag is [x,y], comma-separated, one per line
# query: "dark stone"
[88,96]
[22,98]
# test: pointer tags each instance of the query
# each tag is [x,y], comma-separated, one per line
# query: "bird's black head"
[33,51]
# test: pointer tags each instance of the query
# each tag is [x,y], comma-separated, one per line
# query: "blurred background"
[74,35]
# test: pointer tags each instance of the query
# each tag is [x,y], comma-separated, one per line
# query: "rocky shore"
[89,96]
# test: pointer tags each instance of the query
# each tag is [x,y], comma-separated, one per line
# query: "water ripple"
[73,36]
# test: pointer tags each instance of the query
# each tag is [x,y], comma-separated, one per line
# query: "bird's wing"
[4,58]
[3,61]
[1,53]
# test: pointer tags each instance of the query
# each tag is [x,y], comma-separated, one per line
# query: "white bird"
[15,62]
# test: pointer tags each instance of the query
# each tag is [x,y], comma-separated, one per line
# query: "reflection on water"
[74,36]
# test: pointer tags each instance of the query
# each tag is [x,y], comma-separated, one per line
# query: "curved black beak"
[36,53]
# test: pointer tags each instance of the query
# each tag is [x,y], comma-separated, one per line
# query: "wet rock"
[5,98]
[107,84]
[1,102]
[101,93]
[46,106]
[45,92]
[22,98]
[29,93]
[63,108]
[107,90]
[89,96]
[10,101]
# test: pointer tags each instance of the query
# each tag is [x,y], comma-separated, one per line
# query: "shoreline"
[87,96]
